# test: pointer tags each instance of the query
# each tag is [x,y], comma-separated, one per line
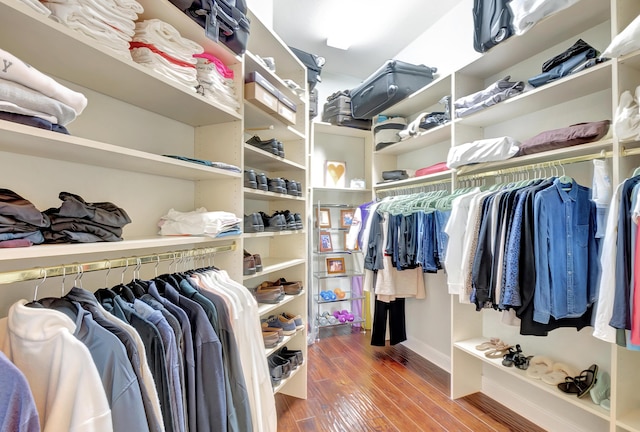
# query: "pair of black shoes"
[253,223]
[255,181]
[282,363]
[272,145]
[281,220]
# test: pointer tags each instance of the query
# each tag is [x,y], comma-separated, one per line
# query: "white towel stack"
[37,6]
[216,80]
[111,23]
[159,46]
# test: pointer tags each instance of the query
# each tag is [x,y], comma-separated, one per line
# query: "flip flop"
[558,373]
[491,343]
[538,366]
[581,384]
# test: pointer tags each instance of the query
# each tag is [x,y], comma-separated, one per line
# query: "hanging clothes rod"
[629,152]
[540,165]
[81,268]
[413,186]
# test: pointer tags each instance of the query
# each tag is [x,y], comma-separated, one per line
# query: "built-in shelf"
[583,83]
[468,346]
[328,128]
[66,250]
[83,62]
[631,59]
[424,139]
[272,265]
[415,181]
[332,189]
[268,126]
[284,382]
[255,157]
[630,421]
[283,342]
[319,300]
[339,252]
[325,275]
[272,233]
[31,141]
[261,195]
[423,99]
[251,64]
[264,308]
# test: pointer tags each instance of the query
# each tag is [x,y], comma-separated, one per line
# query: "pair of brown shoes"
[289,288]
[269,294]
[271,336]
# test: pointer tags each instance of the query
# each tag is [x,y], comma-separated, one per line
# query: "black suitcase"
[394,81]
[313,63]
[348,121]
[492,21]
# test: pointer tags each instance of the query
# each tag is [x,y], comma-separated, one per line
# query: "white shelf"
[255,117]
[631,59]
[272,234]
[272,265]
[550,31]
[252,64]
[31,141]
[630,421]
[285,340]
[328,128]
[422,99]
[332,189]
[260,195]
[65,53]
[284,382]
[264,308]
[255,157]
[468,346]
[64,250]
[415,181]
[425,139]
[583,83]
[549,156]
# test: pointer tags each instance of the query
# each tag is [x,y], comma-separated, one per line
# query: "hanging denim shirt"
[566,256]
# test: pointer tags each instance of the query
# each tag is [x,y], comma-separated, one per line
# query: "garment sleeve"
[542,292]
[354,230]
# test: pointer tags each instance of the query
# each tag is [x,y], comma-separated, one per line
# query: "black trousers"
[397,328]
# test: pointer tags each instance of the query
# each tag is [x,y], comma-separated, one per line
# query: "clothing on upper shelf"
[626,123]
[432,169]
[526,13]
[220,165]
[567,62]
[199,222]
[625,42]
[216,80]
[484,150]
[579,133]
[495,93]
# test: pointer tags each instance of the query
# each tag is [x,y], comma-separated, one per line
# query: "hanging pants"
[397,329]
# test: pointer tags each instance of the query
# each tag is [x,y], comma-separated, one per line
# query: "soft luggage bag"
[340,105]
[492,21]
[394,81]
[313,63]
[385,131]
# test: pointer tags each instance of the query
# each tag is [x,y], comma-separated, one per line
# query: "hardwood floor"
[353,386]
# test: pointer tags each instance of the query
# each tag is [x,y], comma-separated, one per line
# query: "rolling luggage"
[394,81]
[313,103]
[492,21]
[337,111]
[313,63]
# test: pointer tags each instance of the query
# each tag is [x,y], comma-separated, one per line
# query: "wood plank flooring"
[353,386]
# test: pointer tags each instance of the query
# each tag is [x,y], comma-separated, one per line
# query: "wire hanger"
[155,268]
[43,272]
[78,279]
[126,266]
[64,276]
[106,276]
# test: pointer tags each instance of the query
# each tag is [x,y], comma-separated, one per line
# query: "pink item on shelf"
[432,169]
[15,243]
[221,67]
[161,54]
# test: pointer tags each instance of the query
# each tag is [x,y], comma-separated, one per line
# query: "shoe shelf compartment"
[255,157]
[291,377]
[256,117]
[631,59]
[273,233]
[585,403]
[285,340]
[272,265]
[325,275]
[260,195]
[265,308]
[424,139]
[251,64]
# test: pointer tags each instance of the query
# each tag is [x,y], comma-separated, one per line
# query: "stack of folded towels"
[216,80]
[110,23]
[30,97]
[37,6]
[199,222]
[159,46]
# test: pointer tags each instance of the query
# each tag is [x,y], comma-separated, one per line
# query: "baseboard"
[436,357]
[547,420]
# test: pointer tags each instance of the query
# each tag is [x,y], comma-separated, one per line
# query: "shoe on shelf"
[257,260]
[273,223]
[290,288]
[289,219]
[297,320]
[275,370]
[270,338]
[288,326]
[270,145]
[298,218]
[270,294]
[299,187]
[286,353]
[263,183]
[581,384]
[277,185]
[277,330]
[280,361]
[280,147]
[292,187]
[600,391]
[253,223]
[250,179]
[248,266]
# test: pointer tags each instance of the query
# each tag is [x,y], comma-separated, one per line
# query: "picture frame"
[335,265]
[323,218]
[324,242]
[335,174]
[346,218]
[345,242]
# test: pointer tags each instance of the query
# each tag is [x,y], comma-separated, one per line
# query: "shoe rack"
[282,252]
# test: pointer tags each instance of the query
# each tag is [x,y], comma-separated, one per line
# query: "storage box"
[286,113]
[260,96]
[288,102]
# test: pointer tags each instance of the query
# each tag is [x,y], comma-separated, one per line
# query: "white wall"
[263,9]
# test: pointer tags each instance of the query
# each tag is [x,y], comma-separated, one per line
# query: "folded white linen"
[526,13]
[197,222]
[180,74]
[167,39]
[37,6]
[626,123]
[10,107]
[14,69]
[627,41]
[130,10]
[28,98]
[484,150]
[100,25]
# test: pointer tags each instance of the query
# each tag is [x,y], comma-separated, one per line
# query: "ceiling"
[379,29]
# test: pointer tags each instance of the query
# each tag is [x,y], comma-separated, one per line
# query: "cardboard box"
[260,96]
[286,113]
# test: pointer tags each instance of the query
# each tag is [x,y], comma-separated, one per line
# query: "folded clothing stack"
[484,150]
[576,134]
[200,222]
[28,96]
[495,93]
[110,23]
[37,6]
[159,46]
[577,57]
[77,221]
[20,221]
[215,80]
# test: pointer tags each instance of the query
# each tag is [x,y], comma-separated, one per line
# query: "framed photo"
[346,218]
[345,243]
[335,174]
[336,265]
[323,217]
[324,242]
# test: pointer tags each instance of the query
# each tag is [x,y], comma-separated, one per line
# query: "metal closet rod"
[413,186]
[108,264]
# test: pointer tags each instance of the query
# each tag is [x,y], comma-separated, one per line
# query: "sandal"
[522,362]
[581,384]
[498,351]
[538,366]
[558,373]
[509,358]
[491,343]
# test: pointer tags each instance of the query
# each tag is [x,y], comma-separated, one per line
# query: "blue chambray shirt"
[566,256]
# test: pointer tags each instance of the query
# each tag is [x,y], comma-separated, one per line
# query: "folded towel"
[94,12]
[30,99]
[215,61]
[14,69]
[167,39]
[197,222]
[37,6]
[484,150]
[121,9]
[179,74]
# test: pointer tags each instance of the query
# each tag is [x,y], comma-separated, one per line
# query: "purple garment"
[18,411]
[356,305]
